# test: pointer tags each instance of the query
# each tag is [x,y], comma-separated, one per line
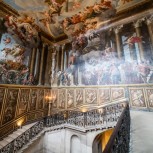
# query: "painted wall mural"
[120,52]
[18,36]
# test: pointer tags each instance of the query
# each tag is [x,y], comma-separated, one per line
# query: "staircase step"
[14,136]
[18,132]
[3,143]
[22,130]
[9,139]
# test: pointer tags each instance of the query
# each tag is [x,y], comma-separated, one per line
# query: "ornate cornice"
[6,9]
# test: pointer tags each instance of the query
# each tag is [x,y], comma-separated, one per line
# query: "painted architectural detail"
[104,95]
[70,98]
[55,97]
[91,96]
[10,105]
[62,98]
[79,97]
[149,93]
[137,97]
[40,100]
[117,93]
[2,92]
[34,97]
[23,101]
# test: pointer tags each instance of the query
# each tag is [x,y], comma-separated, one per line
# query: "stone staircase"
[14,135]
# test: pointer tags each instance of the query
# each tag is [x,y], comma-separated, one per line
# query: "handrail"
[24,138]
[120,136]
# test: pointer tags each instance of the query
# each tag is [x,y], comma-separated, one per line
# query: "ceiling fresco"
[71,17]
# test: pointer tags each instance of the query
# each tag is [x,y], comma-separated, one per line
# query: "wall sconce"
[19,123]
[84,110]
[51,101]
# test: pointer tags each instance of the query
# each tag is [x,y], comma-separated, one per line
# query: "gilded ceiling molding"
[5,9]
[134,6]
[118,21]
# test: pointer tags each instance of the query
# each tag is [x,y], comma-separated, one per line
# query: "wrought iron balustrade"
[23,139]
[95,117]
[88,120]
[119,141]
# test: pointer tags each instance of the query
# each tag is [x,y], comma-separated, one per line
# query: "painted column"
[57,58]
[41,65]
[37,66]
[150,30]
[53,73]
[118,41]
[62,58]
[48,67]
[29,60]
[67,58]
[137,26]
[67,6]
[132,52]
[33,60]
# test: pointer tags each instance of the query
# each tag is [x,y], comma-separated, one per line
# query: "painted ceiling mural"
[69,16]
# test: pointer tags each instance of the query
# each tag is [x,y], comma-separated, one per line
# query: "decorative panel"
[2,93]
[104,95]
[91,96]
[54,96]
[31,117]
[137,98]
[70,98]
[23,101]
[39,115]
[79,96]
[149,94]
[40,100]
[10,105]
[33,101]
[117,93]
[62,98]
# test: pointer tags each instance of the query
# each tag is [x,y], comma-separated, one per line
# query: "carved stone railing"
[23,139]
[119,141]
[94,119]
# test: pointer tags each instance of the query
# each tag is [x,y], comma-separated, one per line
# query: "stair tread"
[3,143]
[8,139]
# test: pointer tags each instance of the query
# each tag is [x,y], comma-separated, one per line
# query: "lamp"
[51,99]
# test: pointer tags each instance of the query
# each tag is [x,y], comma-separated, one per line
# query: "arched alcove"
[75,144]
[101,140]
